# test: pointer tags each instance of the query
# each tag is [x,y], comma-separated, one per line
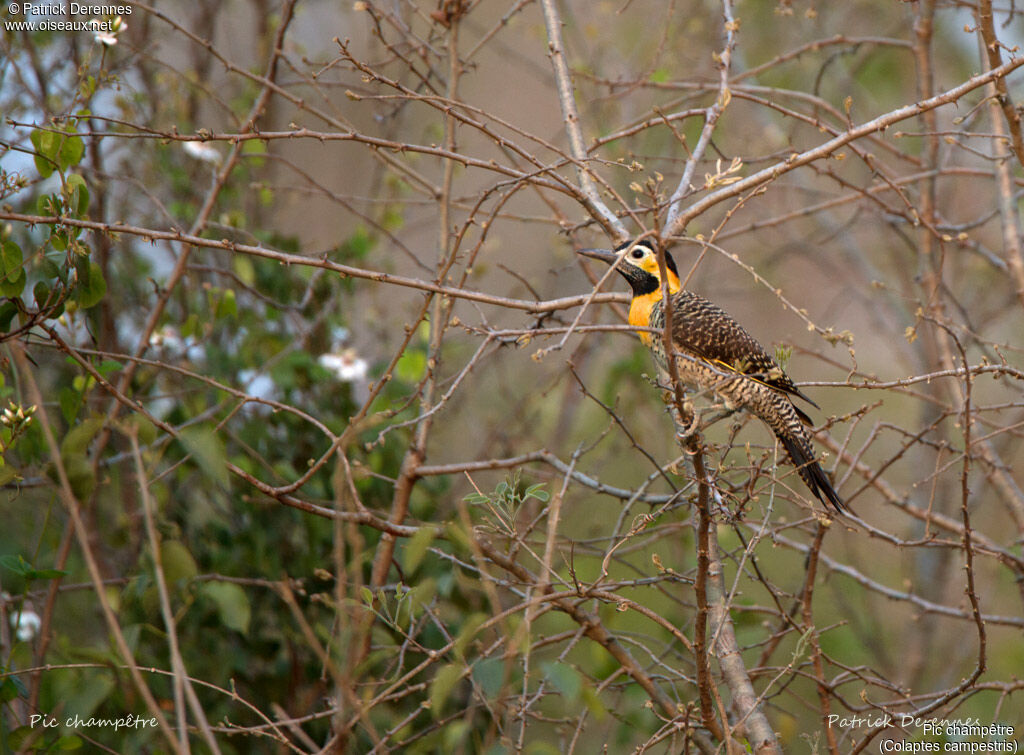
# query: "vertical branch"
[673,225]
[999,104]
[932,568]
[571,118]
[930,267]
[808,619]
[1002,100]
[700,646]
[745,700]
[709,587]
[968,540]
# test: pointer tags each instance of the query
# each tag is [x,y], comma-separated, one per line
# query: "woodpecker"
[713,352]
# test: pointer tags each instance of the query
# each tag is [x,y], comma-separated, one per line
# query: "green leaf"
[468,633]
[11,258]
[244,269]
[207,451]
[412,365]
[20,566]
[565,679]
[45,297]
[49,204]
[46,143]
[536,491]
[593,702]
[232,604]
[69,742]
[13,285]
[424,592]
[192,326]
[16,564]
[457,535]
[145,429]
[80,475]
[226,306]
[92,287]
[87,87]
[109,366]
[416,549]
[489,676]
[70,403]
[7,312]
[12,687]
[59,240]
[79,437]
[41,293]
[79,199]
[48,573]
[453,734]
[442,687]
[50,269]
[254,149]
[178,563]
[12,271]
[392,220]
[357,246]
[71,151]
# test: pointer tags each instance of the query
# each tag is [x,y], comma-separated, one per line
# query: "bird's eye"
[637,253]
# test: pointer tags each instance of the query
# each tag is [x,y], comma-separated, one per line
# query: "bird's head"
[637,262]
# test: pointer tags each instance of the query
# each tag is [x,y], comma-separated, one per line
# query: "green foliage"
[56,150]
[12,272]
[92,287]
[442,687]
[24,569]
[501,507]
[233,605]
[207,451]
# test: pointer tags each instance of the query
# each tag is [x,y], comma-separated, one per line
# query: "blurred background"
[290,504]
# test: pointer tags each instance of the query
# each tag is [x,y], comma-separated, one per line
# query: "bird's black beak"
[605,255]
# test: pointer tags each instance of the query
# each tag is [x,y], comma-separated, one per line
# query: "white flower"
[257,385]
[28,623]
[105,32]
[168,338]
[202,151]
[346,365]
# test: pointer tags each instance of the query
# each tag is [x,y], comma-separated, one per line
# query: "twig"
[723,60]
[285,258]
[797,160]
[571,119]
